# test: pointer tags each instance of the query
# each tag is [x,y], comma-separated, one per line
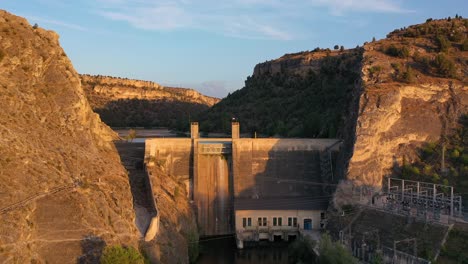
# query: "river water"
[224,251]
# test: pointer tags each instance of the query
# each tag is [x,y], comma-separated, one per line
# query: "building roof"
[282,203]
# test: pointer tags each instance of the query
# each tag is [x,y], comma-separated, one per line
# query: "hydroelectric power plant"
[256,188]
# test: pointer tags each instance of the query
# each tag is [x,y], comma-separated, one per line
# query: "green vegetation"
[301,251]
[122,255]
[131,135]
[149,113]
[445,66]
[408,75]
[464,46]
[455,249]
[443,43]
[193,246]
[394,51]
[333,252]
[428,167]
[291,105]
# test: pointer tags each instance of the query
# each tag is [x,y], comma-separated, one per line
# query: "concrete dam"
[221,173]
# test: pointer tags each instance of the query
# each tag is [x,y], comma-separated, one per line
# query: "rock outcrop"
[63,193]
[102,89]
[406,99]
[128,103]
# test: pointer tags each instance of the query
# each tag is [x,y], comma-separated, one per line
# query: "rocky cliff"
[413,92]
[63,193]
[385,99]
[102,89]
[125,102]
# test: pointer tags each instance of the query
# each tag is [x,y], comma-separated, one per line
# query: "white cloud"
[339,7]
[41,20]
[257,19]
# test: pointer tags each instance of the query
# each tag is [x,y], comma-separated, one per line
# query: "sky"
[213,45]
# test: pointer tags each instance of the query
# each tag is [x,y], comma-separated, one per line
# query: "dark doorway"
[307,224]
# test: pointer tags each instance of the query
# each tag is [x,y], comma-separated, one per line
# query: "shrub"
[301,250]
[394,51]
[455,154]
[408,75]
[443,43]
[121,255]
[333,252]
[375,70]
[445,66]
[193,247]
[131,135]
[464,46]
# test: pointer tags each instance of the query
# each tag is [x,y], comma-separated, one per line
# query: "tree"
[373,39]
[342,48]
[131,135]
[408,75]
[35,26]
[445,66]
[443,43]
[333,252]
[301,250]
[121,255]
[336,47]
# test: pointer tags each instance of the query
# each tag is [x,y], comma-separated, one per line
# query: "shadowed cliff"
[123,102]
[61,181]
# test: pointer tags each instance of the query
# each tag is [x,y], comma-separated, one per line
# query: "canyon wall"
[385,100]
[133,103]
[63,193]
[105,88]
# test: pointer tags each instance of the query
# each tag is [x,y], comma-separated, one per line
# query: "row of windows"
[262,221]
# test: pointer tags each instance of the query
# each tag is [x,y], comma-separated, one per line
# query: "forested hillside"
[303,102]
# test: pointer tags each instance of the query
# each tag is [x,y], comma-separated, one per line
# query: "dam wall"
[174,155]
[219,170]
[262,167]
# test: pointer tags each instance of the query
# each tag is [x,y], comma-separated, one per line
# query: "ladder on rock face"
[326,172]
[326,168]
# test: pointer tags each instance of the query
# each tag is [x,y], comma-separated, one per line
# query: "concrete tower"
[235,128]
[194,130]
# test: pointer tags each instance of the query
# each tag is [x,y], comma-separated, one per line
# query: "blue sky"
[213,45]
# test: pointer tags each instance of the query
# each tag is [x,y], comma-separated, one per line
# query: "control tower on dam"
[219,171]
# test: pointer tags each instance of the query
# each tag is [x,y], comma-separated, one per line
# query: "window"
[292,221]
[259,222]
[246,221]
[277,221]
[264,221]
